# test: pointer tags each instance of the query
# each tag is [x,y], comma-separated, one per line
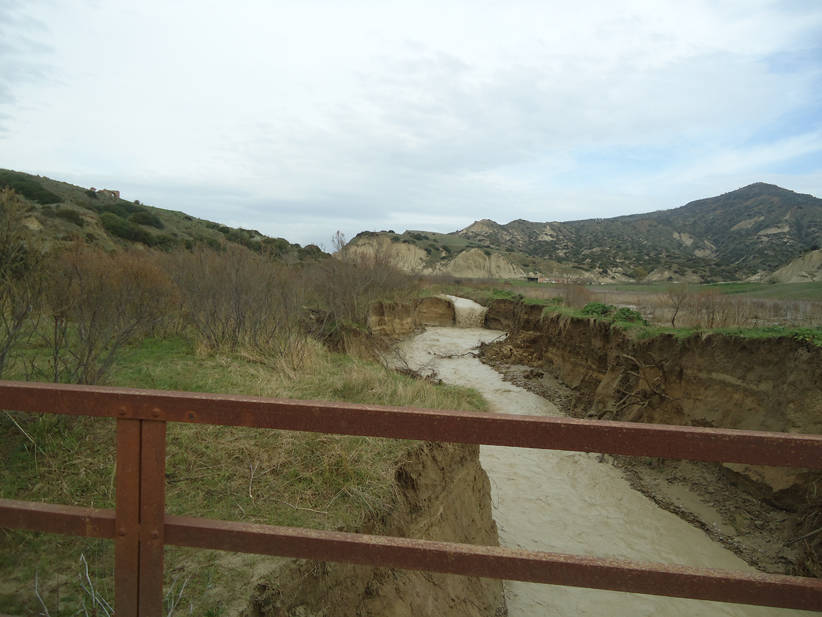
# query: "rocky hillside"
[59,212]
[745,234]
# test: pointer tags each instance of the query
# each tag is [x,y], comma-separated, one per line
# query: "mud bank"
[442,494]
[398,319]
[594,370]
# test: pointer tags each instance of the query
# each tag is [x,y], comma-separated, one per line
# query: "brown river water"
[569,502]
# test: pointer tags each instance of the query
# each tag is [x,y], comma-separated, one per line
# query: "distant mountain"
[745,234]
[59,213]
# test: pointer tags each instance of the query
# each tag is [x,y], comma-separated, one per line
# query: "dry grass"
[276,477]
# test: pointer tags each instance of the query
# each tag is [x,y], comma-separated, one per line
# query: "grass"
[275,477]
[771,291]
[812,336]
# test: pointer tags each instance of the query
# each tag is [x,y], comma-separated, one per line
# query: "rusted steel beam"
[127,540]
[54,518]
[498,562]
[152,515]
[637,439]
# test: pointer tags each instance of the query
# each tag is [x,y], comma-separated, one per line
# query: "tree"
[338,243]
[677,296]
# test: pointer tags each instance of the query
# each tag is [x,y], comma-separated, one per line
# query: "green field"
[772,291]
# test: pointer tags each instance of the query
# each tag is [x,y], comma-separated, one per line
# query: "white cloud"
[302,118]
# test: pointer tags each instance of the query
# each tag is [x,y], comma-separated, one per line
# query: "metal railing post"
[140,517]
[127,519]
[152,516]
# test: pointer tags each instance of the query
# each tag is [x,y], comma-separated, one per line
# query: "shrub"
[598,309]
[626,314]
[28,187]
[238,299]
[71,215]
[144,217]
[122,228]
[96,303]
[21,276]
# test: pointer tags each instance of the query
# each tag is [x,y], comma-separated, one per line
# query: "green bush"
[122,228]
[144,217]
[598,309]
[28,187]
[626,314]
[121,208]
[71,215]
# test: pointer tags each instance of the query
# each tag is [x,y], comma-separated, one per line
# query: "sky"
[302,118]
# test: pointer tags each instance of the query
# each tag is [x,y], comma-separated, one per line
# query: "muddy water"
[570,503]
[467,313]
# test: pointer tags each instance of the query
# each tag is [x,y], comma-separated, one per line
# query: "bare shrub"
[21,277]
[240,300]
[95,303]
[345,288]
[677,297]
[576,295]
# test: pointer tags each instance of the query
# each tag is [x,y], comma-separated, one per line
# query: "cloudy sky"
[300,118]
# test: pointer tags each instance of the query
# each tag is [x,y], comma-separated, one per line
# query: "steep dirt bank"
[442,494]
[594,370]
[396,319]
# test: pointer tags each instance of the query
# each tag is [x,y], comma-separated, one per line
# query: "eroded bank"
[442,493]
[596,370]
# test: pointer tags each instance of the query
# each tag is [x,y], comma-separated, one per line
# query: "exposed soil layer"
[591,369]
[442,494]
[396,319]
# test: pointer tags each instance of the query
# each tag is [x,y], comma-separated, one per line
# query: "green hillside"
[59,212]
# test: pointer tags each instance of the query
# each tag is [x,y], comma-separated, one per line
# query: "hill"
[59,212]
[744,234]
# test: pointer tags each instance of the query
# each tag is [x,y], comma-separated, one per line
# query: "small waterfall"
[468,314]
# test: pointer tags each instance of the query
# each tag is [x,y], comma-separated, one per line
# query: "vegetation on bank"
[231,320]
[274,477]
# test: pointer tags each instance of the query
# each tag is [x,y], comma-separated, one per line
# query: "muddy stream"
[569,502]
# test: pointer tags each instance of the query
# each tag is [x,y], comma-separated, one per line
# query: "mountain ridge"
[744,234]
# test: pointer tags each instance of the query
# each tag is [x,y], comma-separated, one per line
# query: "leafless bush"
[575,295]
[345,288]
[238,299]
[21,277]
[95,303]
[677,297]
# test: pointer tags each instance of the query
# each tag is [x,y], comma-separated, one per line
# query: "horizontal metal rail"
[630,438]
[140,526]
[446,557]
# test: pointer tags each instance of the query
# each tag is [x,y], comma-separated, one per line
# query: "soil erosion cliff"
[442,494]
[595,370]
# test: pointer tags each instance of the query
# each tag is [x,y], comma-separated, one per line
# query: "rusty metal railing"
[140,527]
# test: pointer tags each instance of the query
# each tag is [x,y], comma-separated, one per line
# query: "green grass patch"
[771,291]
[631,322]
